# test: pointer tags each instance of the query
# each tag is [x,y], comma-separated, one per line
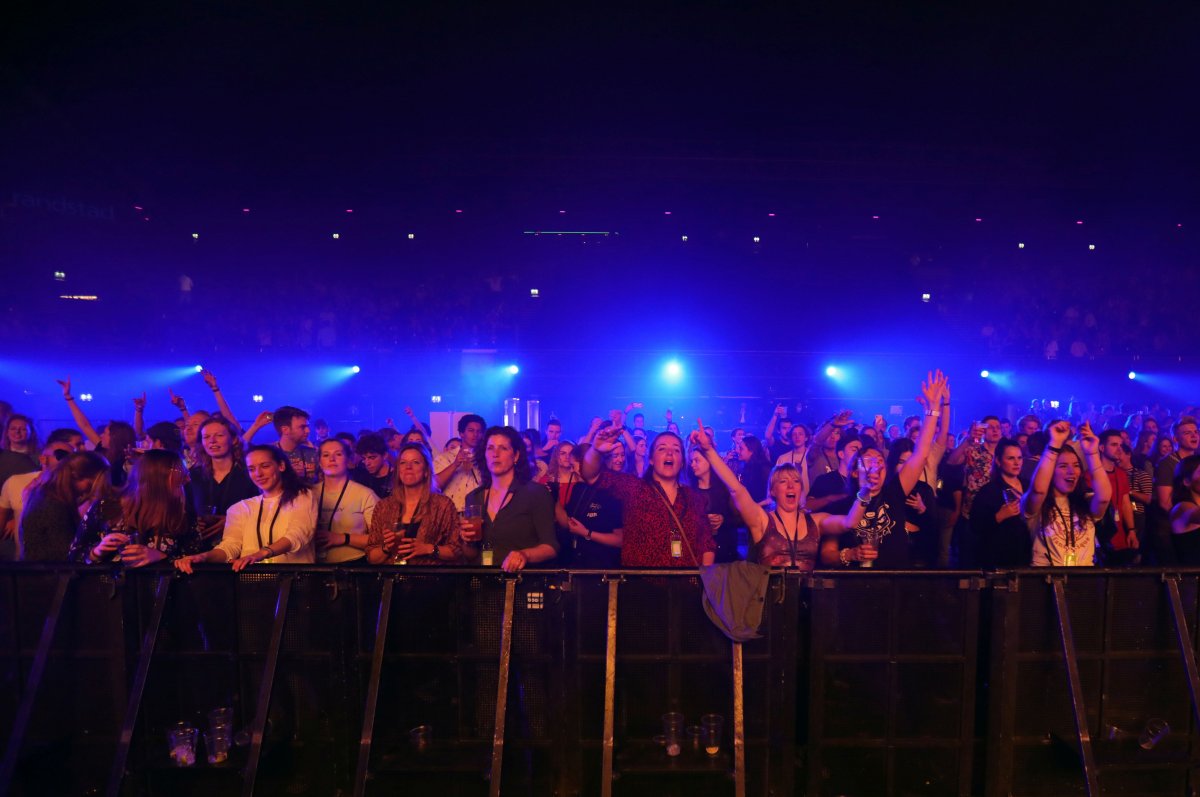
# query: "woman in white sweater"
[276,525]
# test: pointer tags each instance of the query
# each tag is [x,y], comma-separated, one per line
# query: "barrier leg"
[368,726]
[1076,685]
[510,592]
[268,682]
[134,705]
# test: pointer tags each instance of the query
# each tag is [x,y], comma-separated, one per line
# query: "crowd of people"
[1079,486]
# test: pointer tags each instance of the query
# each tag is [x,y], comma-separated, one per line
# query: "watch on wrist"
[436,553]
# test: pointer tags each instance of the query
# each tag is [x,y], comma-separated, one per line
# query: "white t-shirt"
[1067,540]
[12,496]
[461,483]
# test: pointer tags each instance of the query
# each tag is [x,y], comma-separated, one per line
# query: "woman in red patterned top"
[652,536]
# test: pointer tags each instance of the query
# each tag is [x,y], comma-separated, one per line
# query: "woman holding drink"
[414,525]
[516,515]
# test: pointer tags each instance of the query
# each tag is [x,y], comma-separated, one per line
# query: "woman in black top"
[722,517]
[756,467]
[219,479]
[518,515]
[920,516]
[997,527]
[592,518]
[51,514]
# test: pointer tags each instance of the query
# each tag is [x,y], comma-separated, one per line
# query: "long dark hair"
[648,476]
[758,455]
[1002,446]
[1076,499]
[153,500]
[1180,492]
[521,471]
[293,485]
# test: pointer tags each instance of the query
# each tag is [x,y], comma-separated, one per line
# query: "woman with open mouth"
[787,536]
[666,522]
[1056,507]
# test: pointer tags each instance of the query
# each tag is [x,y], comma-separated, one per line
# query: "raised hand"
[932,387]
[780,411]
[178,401]
[139,404]
[66,386]
[1059,433]
[210,379]
[842,418]
[263,418]
[699,437]
[1088,440]
[606,440]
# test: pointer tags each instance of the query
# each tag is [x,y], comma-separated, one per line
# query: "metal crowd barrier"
[553,683]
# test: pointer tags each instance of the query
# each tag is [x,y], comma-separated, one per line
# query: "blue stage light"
[985,373]
[512,370]
[355,370]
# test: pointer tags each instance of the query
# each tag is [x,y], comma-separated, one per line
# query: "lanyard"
[792,541]
[336,503]
[487,502]
[1068,524]
[271,530]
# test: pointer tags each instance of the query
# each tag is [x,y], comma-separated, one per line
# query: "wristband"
[933,413]
[1053,449]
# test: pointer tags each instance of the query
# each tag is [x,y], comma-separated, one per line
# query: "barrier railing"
[555,682]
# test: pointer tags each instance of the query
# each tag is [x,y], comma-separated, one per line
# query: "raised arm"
[81,420]
[179,403]
[751,512]
[932,390]
[1101,486]
[1039,486]
[959,455]
[769,433]
[836,524]
[418,427]
[222,404]
[618,421]
[593,459]
[139,416]
[264,418]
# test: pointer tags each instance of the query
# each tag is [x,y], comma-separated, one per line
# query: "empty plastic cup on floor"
[711,726]
[181,741]
[673,732]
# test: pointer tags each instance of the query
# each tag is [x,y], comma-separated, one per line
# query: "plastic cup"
[181,741]
[217,743]
[673,734]
[421,737]
[694,736]
[711,726]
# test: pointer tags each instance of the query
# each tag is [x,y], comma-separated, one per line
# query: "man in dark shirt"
[375,470]
[1187,440]
[831,492]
